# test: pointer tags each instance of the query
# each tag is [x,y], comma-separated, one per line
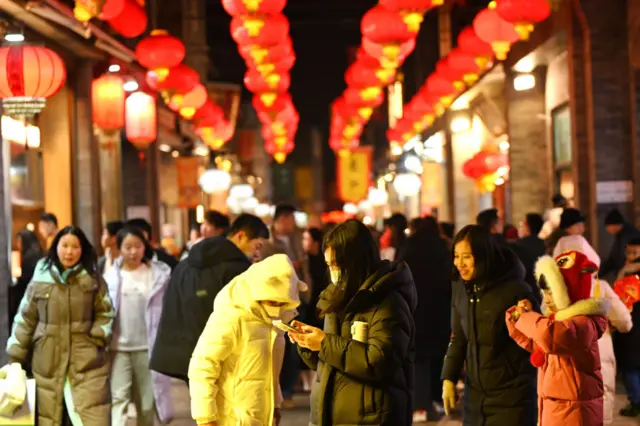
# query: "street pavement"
[300,416]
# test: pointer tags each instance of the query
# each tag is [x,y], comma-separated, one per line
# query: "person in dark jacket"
[530,248]
[30,253]
[500,382]
[160,253]
[188,301]
[365,355]
[623,231]
[491,221]
[109,246]
[429,259]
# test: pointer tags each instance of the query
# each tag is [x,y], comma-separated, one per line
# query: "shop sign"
[354,174]
[189,193]
[613,192]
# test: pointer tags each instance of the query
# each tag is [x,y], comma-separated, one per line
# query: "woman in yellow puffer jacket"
[234,369]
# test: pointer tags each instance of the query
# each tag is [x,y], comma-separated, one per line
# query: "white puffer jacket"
[234,369]
[619,318]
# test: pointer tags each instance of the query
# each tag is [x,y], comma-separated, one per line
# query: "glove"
[449,398]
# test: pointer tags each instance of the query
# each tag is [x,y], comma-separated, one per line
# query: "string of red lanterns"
[389,32]
[491,35]
[261,32]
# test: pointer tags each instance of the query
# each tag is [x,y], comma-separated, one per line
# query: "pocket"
[41,297]
[369,405]
[45,356]
[86,355]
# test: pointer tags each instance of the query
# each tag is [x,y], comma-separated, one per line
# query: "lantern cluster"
[180,87]
[485,168]
[389,33]
[261,32]
[127,17]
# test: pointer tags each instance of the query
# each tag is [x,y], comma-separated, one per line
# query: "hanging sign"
[189,193]
[354,174]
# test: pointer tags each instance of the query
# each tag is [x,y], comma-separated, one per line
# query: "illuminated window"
[562,151]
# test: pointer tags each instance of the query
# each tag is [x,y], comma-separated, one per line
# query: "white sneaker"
[420,416]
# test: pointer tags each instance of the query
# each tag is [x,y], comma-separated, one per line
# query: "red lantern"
[442,88]
[208,115]
[112,9]
[280,102]
[85,10]
[107,100]
[279,149]
[264,30]
[272,83]
[491,28]
[400,5]
[216,135]
[282,66]
[361,74]
[190,102]
[28,76]
[181,79]
[381,25]
[470,43]
[248,7]
[454,75]
[466,64]
[160,52]
[132,20]
[141,124]
[390,55]
[523,14]
[255,54]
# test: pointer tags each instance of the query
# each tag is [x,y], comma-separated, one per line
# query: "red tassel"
[537,358]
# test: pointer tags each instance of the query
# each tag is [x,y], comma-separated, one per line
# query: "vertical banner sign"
[188,188]
[227,97]
[431,192]
[354,174]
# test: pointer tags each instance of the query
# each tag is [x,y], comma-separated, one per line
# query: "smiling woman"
[488,279]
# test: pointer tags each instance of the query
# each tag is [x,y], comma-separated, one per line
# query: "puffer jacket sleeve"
[309,357]
[278,358]
[104,314]
[619,316]
[24,325]
[562,338]
[218,340]
[389,341]
[457,351]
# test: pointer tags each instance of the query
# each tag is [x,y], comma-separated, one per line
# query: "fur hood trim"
[588,307]
[554,280]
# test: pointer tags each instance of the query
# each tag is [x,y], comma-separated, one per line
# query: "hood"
[577,243]
[272,279]
[390,277]
[508,267]
[214,251]
[573,287]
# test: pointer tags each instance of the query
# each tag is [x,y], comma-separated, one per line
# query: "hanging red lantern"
[280,101]
[85,10]
[279,149]
[466,64]
[264,30]
[112,9]
[360,74]
[491,28]
[454,75]
[470,43]
[108,102]
[131,22]
[282,66]
[248,7]
[364,100]
[181,79]
[442,88]
[390,55]
[141,126]
[381,25]
[255,55]
[272,83]
[523,14]
[401,5]
[28,76]
[208,115]
[160,52]
[189,103]
[217,135]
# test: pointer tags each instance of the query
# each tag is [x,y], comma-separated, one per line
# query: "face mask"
[272,311]
[335,276]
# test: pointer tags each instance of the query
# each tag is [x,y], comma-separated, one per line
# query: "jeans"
[632,384]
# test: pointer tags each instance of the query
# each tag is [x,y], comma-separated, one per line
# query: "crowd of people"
[380,327]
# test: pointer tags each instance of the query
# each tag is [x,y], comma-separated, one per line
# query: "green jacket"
[66,320]
[368,383]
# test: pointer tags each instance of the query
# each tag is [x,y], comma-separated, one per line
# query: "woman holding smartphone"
[365,352]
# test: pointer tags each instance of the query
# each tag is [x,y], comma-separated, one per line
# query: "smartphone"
[285,327]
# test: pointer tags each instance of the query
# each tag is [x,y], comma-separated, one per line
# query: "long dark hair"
[356,254]
[88,257]
[30,246]
[484,249]
[130,230]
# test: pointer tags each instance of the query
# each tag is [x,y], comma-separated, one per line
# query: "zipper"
[474,304]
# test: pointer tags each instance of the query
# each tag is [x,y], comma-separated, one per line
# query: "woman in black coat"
[500,382]
[30,253]
[363,377]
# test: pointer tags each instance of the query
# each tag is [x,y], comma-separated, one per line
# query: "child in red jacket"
[564,342]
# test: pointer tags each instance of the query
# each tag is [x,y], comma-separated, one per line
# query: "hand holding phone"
[285,327]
